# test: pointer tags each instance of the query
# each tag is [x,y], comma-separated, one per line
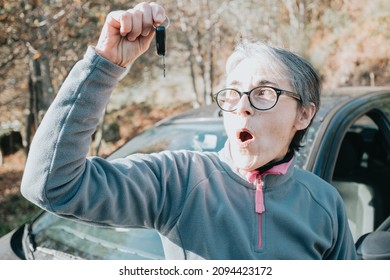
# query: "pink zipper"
[260,208]
[260,232]
[259,196]
[259,203]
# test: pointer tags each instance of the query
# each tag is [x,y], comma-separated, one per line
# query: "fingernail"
[159,17]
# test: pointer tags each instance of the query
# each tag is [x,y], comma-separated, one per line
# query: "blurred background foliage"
[346,40]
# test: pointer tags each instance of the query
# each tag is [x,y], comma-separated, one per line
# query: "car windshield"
[79,240]
[53,234]
[204,136]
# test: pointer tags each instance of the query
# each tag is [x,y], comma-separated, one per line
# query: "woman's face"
[259,137]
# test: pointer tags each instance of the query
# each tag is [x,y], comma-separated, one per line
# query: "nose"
[244,106]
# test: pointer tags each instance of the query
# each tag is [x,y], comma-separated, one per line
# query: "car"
[10,139]
[348,145]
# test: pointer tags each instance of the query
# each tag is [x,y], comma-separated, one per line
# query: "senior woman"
[246,202]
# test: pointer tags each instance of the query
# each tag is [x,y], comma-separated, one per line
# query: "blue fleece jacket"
[201,205]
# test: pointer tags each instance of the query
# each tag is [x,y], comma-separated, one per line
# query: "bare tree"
[42,39]
[200,32]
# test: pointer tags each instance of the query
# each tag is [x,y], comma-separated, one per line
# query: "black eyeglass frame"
[278,91]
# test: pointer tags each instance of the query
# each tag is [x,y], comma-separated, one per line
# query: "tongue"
[245,136]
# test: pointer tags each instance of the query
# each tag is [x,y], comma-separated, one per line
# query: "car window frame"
[336,124]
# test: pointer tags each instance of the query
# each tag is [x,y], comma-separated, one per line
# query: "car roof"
[330,99]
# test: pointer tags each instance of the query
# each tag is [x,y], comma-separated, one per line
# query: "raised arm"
[58,175]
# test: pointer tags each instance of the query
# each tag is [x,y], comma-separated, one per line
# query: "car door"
[354,156]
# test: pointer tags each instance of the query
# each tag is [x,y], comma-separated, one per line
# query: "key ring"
[167,25]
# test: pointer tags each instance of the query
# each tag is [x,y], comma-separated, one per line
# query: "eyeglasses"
[262,98]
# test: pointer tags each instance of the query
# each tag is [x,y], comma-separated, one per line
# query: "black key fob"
[160,40]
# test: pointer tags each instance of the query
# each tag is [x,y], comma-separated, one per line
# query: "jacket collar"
[281,167]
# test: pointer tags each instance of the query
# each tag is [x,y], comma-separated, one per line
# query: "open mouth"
[245,136]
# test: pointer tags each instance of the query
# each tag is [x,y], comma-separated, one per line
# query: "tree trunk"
[40,84]
[41,96]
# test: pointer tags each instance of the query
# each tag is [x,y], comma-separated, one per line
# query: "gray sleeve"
[60,178]
[344,246]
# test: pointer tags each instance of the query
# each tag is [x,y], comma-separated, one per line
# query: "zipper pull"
[259,199]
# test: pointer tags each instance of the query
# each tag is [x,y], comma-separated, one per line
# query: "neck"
[285,159]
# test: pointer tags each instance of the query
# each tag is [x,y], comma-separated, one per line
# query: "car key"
[160,43]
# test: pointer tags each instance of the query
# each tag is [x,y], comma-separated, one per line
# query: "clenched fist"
[127,34]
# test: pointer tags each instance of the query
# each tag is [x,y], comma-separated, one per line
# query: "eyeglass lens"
[261,98]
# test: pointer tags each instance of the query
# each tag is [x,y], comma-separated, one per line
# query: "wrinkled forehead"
[257,70]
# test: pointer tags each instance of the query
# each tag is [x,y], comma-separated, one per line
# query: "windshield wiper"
[31,249]
[28,242]
[55,254]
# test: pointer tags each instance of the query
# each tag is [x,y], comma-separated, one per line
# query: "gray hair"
[280,62]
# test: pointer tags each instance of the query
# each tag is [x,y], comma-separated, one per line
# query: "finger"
[126,23]
[145,41]
[113,22]
[147,20]
[158,13]
[136,30]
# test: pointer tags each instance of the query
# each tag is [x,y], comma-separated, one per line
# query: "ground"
[14,209]
[131,120]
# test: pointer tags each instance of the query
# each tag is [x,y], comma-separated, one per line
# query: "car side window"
[362,175]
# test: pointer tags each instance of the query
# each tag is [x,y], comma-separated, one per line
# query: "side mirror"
[375,246]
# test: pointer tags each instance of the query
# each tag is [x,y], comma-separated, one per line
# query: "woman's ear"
[305,115]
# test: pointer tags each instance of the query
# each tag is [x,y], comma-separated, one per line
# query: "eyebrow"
[265,83]
[258,83]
